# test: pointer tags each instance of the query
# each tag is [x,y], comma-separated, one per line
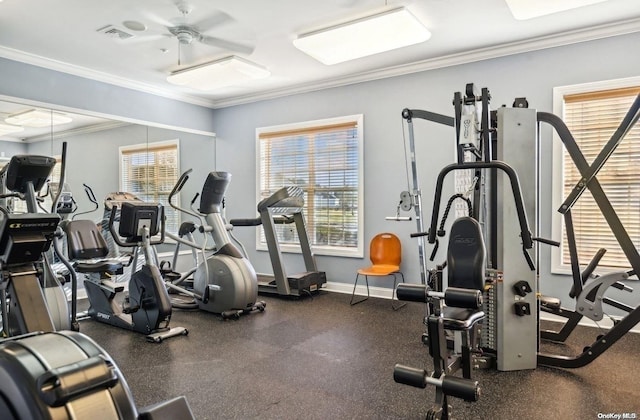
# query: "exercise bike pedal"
[127,308]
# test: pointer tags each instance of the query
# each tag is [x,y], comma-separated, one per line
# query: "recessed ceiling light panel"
[228,71]
[374,34]
[9,129]
[38,118]
[529,9]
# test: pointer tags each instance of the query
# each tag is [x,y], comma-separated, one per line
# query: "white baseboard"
[361,290]
[386,293]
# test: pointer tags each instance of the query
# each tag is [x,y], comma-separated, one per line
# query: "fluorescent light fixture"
[373,34]
[38,118]
[9,129]
[529,9]
[228,71]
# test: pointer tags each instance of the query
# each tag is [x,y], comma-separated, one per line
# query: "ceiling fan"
[188,33]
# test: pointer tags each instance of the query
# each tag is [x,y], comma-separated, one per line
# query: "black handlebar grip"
[181,181]
[547,241]
[462,298]
[89,191]
[412,292]
[466,389]
[418,234]
[195,197]
[410,376]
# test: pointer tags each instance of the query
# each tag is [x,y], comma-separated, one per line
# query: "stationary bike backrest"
[466,256]
[84,240]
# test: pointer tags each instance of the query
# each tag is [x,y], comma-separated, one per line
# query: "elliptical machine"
[145,307]
[235,282]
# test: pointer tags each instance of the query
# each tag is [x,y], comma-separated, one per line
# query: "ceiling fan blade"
[227,45]
[157,19]
[217,19]
[147,38]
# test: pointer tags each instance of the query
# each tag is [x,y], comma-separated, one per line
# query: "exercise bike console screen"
[135,215]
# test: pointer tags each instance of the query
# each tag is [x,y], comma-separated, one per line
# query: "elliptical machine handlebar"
[179,184]
[177,188]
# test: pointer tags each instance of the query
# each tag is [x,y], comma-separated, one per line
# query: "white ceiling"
[63,35]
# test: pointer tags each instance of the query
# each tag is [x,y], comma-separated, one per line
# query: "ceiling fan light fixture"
[229,71]
[527,9]
[38,118]
[9,129]
[363,37]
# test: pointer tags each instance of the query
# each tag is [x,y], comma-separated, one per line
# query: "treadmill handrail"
[283,198]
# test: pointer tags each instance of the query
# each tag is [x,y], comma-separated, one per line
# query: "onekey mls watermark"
[617,416]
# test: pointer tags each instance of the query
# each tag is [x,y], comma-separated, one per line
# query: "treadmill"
[284,207]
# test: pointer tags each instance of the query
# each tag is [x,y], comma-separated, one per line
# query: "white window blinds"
[150,172]
[324,159]
[592,118]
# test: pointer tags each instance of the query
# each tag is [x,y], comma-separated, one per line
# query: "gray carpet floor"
[321,358]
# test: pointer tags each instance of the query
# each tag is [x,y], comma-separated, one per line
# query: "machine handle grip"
[419,234]
[59,385]
[195,197]
[246,222]
[463,298]
[178,186]
[547,241]
[412,292]
[89,191]
[466,389]
[410,376]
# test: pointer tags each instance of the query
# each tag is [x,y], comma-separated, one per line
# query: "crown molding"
[51,64]
[463,57]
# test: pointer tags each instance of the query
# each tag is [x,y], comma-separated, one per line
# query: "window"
[324,159]
[150,171]
[592,114]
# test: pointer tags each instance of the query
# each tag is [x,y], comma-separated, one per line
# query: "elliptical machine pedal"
[259,306]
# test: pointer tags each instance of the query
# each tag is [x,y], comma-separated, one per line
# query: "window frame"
[328,250]
[147,146]
[557,221]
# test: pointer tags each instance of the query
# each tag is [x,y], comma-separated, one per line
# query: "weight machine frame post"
[416,200]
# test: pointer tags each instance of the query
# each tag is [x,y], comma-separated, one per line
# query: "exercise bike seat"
[105,266]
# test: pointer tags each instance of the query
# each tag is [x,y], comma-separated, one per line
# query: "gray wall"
[532,75]
[10,148]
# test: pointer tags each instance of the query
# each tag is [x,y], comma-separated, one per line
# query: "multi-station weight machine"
[497,181]
[492,192]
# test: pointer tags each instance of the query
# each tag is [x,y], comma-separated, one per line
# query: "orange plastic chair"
[385,252]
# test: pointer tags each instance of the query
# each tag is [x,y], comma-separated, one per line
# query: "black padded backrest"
[84,240]
[466,255]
